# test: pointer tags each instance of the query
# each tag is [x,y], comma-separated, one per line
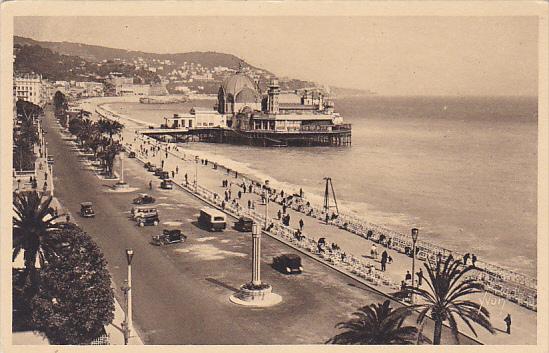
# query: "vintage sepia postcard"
[274,175]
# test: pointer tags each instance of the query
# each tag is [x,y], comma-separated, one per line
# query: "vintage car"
[166,184]
[131,154]
[50,160]
[157,171]
[147,219]
[150,167]
[288,263]
[168,236]
[86,210]
[164,174]
[244,224]
[139,211]
[212,219]
[143,199]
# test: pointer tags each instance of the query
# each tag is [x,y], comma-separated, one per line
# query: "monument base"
[121,185]
[255,296]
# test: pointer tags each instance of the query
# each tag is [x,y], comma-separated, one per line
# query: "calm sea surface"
[462,170]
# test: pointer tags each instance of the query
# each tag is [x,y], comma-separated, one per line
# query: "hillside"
[98,53]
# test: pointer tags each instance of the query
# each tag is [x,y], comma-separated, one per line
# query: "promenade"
[183,162]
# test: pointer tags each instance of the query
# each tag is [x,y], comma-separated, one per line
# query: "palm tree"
[34,217]
[444,298]
[377,324]
[110,127]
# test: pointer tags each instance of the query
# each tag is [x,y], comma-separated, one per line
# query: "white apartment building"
[28,87]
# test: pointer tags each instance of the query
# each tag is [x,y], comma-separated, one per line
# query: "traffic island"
[256,296]
[255,293]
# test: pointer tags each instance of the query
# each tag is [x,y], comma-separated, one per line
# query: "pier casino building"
[256,118]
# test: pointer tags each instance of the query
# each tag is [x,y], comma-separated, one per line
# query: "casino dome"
[241,87]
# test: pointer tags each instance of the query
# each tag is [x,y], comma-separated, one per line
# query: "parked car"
[244,224]
[148,219]
[212,219]
[143,199]
[50,159]
[131,154]
[150,167]
[168,236]
[166,184]
[164,174]
[288,263]
[86,210]
[157,171]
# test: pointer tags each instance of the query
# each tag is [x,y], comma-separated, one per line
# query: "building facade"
[29,87]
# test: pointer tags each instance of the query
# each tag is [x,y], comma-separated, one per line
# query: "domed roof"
[246,95]
[236,83]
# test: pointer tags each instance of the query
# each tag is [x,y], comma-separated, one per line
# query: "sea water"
[462,170]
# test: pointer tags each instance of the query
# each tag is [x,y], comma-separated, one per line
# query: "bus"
[212,219]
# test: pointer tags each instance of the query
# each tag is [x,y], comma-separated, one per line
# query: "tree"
[75,300]
[444,298]
[110,127]
[377,324]
[34,219]
[108,155]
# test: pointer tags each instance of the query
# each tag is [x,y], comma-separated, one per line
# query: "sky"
[387,55]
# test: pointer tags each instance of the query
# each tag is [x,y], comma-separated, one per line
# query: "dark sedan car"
[288,263]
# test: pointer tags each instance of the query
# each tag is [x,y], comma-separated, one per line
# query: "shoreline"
[494,270]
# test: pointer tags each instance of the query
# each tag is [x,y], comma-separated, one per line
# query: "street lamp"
[414,240]
[266,195]
[128,296]
[196,173]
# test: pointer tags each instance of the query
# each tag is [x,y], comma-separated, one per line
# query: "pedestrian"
[408,276]
[150,185]
[419,277]
[162,162]
[249,204]
[173,174]
[279,214]
[327,218]
[68,218]
[465,258]
[284,207]
[176,169]
[384,257]
[301,192]
[250,188]
[474,259]
[508,323]
[373,251]
[46,175]
[239,194]
[236,174]
[166,155]
[301,224]
[186,180]
[45,186]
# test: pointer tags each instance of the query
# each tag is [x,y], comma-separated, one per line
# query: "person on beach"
[150,185]
[301,224]
[236,174]
[301,192]
[474,260]
[508,323]
[373,251]
[176,169]
[465,258]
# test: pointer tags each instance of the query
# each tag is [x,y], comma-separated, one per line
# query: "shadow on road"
[221,284]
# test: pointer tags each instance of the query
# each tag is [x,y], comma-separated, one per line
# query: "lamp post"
[128,296]
[266,195]
[196,173]
[414,239]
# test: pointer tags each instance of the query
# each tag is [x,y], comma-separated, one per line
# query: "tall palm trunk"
[438,332]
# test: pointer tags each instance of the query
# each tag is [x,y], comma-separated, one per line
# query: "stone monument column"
[256,255]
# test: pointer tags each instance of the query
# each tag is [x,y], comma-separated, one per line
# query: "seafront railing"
[499,281]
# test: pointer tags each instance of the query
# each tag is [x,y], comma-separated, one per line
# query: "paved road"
[181,292]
